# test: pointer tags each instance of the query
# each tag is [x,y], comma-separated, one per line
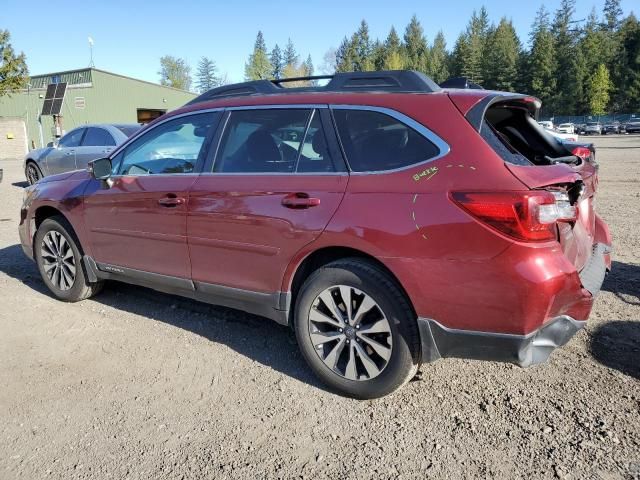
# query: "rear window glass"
[501,146]
[128,130]
[374,141]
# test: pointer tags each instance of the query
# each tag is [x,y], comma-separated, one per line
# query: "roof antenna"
[91,64]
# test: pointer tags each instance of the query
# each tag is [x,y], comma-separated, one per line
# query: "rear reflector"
[530,216]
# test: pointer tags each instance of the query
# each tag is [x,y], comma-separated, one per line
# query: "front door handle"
[300,200]
[170,201]
[70,152]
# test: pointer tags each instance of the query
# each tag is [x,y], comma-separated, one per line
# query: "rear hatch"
[541,162]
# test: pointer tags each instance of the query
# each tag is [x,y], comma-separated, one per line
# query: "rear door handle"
[170,201]
[300,200]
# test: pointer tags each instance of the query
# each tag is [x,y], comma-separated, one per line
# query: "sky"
[131,36]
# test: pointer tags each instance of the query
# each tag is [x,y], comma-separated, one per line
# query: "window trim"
[441,145]
[204,151]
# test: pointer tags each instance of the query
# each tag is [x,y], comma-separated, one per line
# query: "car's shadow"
[23,184]
[624,282]
[617,345]
[255,337]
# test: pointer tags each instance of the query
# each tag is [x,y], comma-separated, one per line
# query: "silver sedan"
[76,149]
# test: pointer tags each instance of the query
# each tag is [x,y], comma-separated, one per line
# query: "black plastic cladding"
[395,81]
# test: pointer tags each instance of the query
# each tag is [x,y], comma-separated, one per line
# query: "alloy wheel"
[32,174]
[58,260]
[350,332]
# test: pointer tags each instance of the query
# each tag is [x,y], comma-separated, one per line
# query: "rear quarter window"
[374,141]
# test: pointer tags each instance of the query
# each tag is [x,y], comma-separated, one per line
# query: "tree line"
[277,64]
[576,67]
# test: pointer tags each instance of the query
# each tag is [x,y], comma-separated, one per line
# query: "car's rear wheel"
[32,173]
[356,329]
[59,260]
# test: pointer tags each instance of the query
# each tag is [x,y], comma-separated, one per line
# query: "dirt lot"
[136,384]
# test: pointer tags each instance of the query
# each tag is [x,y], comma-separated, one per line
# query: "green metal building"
[92,96]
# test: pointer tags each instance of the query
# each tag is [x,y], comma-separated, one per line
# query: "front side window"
[374,141]
[98,137]
[172,147]
[71,139]
[273,141]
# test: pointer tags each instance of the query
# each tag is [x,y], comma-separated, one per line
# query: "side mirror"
[100,169]
[50,145]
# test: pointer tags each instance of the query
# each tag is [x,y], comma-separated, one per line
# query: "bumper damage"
[439,341]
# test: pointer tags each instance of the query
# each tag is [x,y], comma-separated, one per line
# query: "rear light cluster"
[529,216]
[583,152]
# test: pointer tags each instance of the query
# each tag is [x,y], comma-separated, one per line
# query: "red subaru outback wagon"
[387,220]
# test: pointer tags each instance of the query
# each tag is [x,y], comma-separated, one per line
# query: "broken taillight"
[582,152]
[529,216]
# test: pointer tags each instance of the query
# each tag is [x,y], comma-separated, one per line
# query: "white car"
[566,128]
[546,124]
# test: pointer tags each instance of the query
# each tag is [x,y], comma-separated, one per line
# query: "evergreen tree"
[594,47]
[378,54]
[599,87]
[541,64]
[627,71]
[290,54]
[438,67]
[612,15]
[565,47]
[258,66]
[415,46]
[277,62]
[501,58]
[308,68]
[469,49]
[206,77]
[346,56]
[175,72]
[363,48]
[13,68]
[392,50]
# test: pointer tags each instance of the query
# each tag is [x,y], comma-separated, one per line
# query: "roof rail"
[460,82]
[396,81]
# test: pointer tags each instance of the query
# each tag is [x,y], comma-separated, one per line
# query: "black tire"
[376,283]
[32,172]
[80,288]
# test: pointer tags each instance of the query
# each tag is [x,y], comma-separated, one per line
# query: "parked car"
[378,232]
[580,128]
[611,128]
[75,149]
[546,124]
[566,128]
[632,127]
[593,128]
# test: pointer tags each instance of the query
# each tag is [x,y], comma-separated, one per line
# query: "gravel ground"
[137,384]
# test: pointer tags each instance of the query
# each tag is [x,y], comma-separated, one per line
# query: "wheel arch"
[323,256]
[47,211]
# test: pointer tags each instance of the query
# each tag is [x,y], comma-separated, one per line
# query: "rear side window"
[72,139]
[374,141]
[98,137]
[273,141]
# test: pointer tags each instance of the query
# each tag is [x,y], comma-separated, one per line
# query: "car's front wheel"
[32,173]
[59,261]
[356,329]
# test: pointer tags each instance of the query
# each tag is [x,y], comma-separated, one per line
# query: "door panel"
[240,233]
[129,224]
[63,158]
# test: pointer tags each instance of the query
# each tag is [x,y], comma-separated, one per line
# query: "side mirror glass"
[100,169]
[50,145]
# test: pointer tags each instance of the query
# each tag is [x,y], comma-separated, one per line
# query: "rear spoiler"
[475,115]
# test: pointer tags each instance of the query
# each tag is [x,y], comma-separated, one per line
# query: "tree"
[565,47]
[258,67]
[308,66]
[346,56]
[277,62]
[438,67]
[329,61]
[626,75]
[290,54]
[392,52]
[206,75]
[175,72]
[469,49]
[13,68]
[501,57]
[541,64]
[599,87]
[415,46]
[612,15]
[363,48]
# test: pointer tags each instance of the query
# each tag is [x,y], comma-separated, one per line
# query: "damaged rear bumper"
[439,341]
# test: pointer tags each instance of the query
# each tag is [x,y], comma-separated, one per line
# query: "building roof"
[85,75]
